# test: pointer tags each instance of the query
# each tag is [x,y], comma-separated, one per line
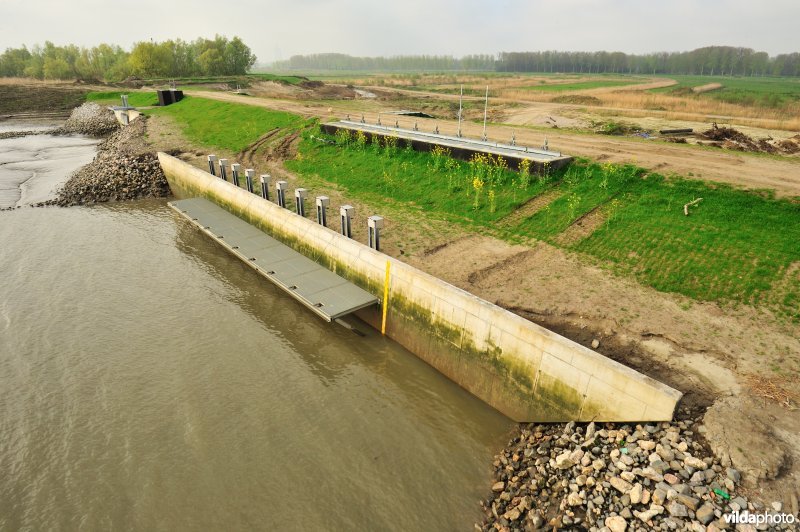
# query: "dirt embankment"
[27,98]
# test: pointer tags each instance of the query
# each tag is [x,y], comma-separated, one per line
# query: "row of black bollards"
[374,223]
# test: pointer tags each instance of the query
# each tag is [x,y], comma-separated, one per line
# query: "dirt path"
[745,170]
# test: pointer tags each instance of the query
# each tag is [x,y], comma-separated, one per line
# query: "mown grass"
[225,125]
[583,188]
[735,246]
[135,98]
[749,91]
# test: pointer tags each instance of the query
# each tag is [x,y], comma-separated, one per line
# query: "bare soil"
[26,98]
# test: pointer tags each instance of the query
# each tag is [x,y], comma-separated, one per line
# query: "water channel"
[152,382]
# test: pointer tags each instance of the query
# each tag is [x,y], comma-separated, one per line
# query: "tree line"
[711,60]
[108,62]
[334,61]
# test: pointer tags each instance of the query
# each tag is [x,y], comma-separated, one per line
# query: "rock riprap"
[118,172]
[613,477]
[91,119]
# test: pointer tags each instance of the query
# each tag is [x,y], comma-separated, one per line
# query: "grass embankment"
[735,247]
[226,126]
[135,98]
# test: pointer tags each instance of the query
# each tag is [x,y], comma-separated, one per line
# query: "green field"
[750,91]
[225,125]
[135,98]
[735,247]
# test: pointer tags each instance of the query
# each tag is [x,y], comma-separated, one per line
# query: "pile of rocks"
[614,478]
[91,119]
[118,172]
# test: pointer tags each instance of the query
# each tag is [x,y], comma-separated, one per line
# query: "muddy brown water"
[150,381]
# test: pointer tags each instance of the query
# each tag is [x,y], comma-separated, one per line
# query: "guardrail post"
[346,213]
[300,201]
[374,224]
[265,186]
[322,205]
[235,173]
[249,174]
[211,160]
[280,186]
[223,169]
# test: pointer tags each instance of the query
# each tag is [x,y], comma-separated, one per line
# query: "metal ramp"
[313,285]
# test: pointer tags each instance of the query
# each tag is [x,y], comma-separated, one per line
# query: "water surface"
[152,382]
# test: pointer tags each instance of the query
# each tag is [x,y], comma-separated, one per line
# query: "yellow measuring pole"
[385,303]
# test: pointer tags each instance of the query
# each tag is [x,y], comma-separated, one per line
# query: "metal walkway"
[313,285]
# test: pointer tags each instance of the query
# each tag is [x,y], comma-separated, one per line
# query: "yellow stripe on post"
[385,303]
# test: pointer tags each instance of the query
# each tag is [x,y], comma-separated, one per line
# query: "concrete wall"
[523,370]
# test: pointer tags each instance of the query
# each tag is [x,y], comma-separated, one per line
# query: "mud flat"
[33,167]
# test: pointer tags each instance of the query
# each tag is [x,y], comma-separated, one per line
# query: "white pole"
[485,108]
[460,98]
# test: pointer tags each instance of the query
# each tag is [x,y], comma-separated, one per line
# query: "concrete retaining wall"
[523,370]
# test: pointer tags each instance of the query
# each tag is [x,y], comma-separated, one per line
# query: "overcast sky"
[279,29]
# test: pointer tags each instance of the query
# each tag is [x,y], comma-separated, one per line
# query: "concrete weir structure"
[523,370]
[460,147]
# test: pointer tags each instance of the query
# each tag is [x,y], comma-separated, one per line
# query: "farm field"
[756,92]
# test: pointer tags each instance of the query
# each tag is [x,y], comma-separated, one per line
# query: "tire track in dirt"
[510,262]
[583,227]
[531,207]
